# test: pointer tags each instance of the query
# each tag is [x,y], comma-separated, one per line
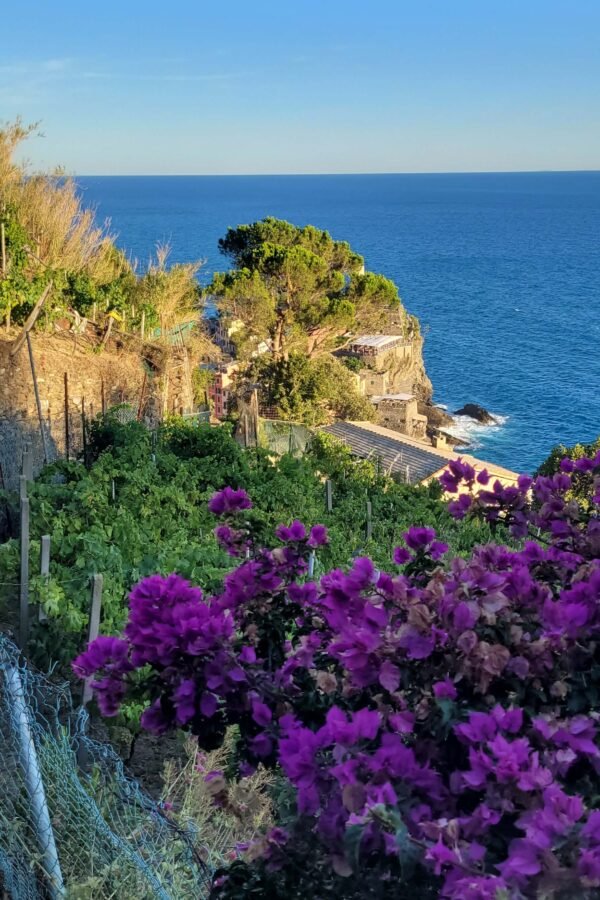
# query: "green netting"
[72,822]
[284,437]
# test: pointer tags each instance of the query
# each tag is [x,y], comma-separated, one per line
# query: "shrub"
[436,725]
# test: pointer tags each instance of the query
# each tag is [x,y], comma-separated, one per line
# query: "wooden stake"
[83,434]
[329,495]
[44,570]
[254,410]
[6,503]
[103,397]
[369,521]
[27,465]
[141,403]
[24,580]
[37,399]
[31,319]
[104,340]
[3,248]
[143,325]
[67,434]
[93,628]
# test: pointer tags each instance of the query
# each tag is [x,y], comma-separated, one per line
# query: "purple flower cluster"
[446,711]
[229,501]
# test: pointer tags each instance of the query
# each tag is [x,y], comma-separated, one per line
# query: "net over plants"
[73,823]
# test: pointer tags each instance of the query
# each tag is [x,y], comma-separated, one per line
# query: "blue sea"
[503,271]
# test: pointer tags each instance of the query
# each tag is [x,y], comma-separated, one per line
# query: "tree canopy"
[310,390]
[298,288]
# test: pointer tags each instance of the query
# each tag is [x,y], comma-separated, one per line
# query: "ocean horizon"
[502,269]
[331,174]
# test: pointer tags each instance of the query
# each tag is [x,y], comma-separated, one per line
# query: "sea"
[502,270]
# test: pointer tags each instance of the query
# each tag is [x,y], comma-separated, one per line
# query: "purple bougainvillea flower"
[318,536]
[460,507]
[261,713]
[389,676]
[401,556]
[228,501]
[292,533]
[104,653]
[418,538]
[154,719]
[444,690]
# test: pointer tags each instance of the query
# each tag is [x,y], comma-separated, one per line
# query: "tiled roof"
[394,453]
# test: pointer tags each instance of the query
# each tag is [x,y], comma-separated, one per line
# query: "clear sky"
[278,86]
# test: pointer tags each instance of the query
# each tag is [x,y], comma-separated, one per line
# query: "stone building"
[387,363]
[221,386]
[399,412]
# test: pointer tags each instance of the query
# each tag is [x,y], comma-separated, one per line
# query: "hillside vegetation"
[51,236]
[138,510]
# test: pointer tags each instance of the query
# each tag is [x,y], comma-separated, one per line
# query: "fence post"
[27,466]
[42,825]
[94,628]
[3,248]
[311,563]
[329,495]
[83,432]
[24,580]
[143,325]
[369,521]
[38,402]
[44,571]
[67,430]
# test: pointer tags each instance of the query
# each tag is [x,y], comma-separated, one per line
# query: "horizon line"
[332,174]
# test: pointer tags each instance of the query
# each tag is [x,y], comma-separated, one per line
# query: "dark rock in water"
[476,412]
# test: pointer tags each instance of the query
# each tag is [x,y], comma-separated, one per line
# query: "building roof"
[376,341]
[401,397]
[397,451]
[395,454]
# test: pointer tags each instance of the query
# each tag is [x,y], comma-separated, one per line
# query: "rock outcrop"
[477,413]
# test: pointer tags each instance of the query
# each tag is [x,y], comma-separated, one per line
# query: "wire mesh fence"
[46,443]
[284,437]
[72,822]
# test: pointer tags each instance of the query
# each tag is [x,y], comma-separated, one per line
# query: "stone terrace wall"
[121,372]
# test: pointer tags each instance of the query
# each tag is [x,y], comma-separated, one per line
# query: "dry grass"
[62,232]
[244,816]
[172,291]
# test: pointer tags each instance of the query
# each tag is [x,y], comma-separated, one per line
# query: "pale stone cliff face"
[398,371]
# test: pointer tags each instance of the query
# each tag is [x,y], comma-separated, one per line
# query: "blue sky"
[191,87]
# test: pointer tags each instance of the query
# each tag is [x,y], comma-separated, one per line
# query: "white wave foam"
[471,433]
